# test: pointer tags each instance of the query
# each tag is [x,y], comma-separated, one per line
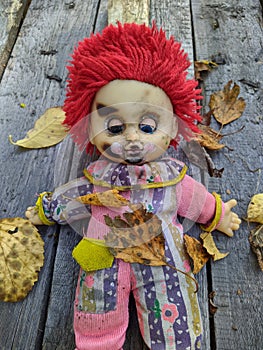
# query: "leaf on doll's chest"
[110,198]
[226,105]
[256,242]
[150,253]
[255,209]
[137,237]
[21,257]
[48,130]
[139,227]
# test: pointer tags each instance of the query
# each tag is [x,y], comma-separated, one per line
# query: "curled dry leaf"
[209,138]
[110,198]
[203,66]
[210,246]
[197,253]
[256,242]
[48,130]
[255,209]
[21,257]
[226,105]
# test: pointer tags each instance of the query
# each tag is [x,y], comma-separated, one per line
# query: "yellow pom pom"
[92,254]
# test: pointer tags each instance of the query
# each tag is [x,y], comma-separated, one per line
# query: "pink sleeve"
[195,202]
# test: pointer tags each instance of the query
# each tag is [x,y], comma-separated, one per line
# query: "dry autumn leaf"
[209,138]
[139,227]
[138,239]
[203,66]
[21,257]
[226,105]
[256,242]
[255,209]
[48,130]
[110,198]
[196,252]
[210,246]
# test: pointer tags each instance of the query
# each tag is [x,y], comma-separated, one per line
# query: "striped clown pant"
[166,304]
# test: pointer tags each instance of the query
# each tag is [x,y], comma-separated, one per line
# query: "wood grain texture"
[231,33]
[11,16]
[128,11]
[42,49]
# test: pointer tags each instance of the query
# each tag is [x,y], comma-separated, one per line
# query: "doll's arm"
[60,206]
[230,222]
[197,204]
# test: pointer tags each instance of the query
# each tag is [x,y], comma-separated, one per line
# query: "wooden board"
[36,76]
[11,17]
[231,33]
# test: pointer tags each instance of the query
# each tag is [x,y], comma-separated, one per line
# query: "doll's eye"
[148,125]
[115,126]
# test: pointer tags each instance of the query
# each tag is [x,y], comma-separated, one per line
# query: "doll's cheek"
[149,147]
[116,148]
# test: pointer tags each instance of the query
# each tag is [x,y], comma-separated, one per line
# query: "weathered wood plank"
[11,15]
[127,11]
[42,49]
[231,32]
[175,18]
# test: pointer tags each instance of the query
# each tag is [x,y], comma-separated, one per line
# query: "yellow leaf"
[226,105]
[21,257]
[48,130]
[210,246]
[110,198]
[255,209]
[196,252]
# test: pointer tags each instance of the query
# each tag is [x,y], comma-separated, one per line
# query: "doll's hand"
[32,215]
[230,221]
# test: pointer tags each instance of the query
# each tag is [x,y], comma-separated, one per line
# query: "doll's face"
[132,122]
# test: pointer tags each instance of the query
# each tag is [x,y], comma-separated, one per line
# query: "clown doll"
[128,97]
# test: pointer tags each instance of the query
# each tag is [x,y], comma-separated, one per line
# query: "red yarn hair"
[131,52]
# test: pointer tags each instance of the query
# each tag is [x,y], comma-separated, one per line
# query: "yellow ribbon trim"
[40,209]
[102,183]
[217,216]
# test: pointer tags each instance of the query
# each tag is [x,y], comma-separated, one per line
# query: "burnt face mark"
[104,110]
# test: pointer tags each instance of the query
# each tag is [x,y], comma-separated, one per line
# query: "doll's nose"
[131,133]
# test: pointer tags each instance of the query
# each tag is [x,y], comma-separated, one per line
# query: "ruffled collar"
[160,173]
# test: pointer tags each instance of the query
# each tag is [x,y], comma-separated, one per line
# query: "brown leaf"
[196,252]
[226,105]
[21,257]
[210,246]
[150,253]
[138,239]
[203,66]
[255,209]
[139,227]
[209,138]
[206,118]
[110,198]
[256,242]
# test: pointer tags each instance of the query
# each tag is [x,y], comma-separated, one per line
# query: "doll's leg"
[167,308]
[101,308]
